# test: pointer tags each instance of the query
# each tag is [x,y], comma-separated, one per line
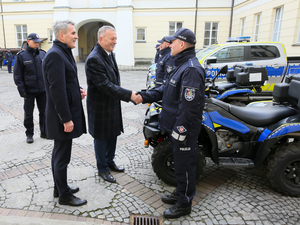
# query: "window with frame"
[21,31]
[230,54]
[277,24]
[264,52]
[174,26]
[243,21]
[210,33]
[50,36]
[298,40]
[141,34]
[257,27]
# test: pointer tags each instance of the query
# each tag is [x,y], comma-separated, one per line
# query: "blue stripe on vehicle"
[225,122]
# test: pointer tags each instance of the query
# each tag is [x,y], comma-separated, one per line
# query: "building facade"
[140,23]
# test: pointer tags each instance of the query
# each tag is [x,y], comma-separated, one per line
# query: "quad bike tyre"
[163,163]
[283,169]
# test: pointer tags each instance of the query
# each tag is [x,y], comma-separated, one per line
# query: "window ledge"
[298,44]
[140,42]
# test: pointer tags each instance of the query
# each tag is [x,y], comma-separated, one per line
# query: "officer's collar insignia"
[189,94]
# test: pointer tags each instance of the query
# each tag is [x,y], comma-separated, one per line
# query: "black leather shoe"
[177,211]
[72,201]
[108,177]
[43,136]
[73,191]
[170,199]
[29,139]
[115,168]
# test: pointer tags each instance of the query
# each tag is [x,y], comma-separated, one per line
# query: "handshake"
[136,98]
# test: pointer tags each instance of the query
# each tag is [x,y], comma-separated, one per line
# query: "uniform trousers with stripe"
[185,159]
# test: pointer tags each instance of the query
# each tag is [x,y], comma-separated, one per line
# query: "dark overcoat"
[63,93]
[104,94]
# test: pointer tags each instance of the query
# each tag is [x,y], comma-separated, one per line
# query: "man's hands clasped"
[136,98]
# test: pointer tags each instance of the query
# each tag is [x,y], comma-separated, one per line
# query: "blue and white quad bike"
[261,134]
[243,85]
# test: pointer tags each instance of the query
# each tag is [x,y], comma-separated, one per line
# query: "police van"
[240,51]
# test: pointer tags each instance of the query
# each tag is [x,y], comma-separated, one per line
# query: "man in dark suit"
[103,101]
[64,112]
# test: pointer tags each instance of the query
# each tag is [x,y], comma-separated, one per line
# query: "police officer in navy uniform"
[165,62]
[29,79]
[157,47]
[181,117]
[9,60]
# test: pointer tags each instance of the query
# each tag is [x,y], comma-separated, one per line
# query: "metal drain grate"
[145,220]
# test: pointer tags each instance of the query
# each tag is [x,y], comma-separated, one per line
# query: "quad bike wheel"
[163,163]
[283,169]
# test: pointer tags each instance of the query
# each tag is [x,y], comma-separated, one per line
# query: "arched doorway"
[87,37]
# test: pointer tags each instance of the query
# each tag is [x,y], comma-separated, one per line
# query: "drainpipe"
[3,24]
[196,17]
[231,15]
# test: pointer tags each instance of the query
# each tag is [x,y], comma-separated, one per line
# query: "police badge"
[189,94]
[169,69]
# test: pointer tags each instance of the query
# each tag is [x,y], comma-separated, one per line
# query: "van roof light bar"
[239,39]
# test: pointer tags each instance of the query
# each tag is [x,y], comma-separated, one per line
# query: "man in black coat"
[9,60]
[64,112]
[103,101]
[29,79]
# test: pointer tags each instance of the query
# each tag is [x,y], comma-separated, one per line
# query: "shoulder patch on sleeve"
[191,63]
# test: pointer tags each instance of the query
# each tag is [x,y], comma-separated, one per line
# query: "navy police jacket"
[164,66]
[28,74]
[182,97]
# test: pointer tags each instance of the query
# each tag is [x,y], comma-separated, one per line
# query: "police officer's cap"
[34,37]
[186,35]
[165,39]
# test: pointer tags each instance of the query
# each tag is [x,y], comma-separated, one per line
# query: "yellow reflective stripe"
[216,125]
[268,87]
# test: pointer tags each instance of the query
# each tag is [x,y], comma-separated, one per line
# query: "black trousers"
[9,66]
[185,159]
[28,112]
[61,156]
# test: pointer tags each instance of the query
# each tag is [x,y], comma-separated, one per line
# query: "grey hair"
[61,26]
[102,30]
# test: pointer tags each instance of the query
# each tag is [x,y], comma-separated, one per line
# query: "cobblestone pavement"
[224,196]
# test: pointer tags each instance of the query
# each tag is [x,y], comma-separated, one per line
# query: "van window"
[230,54]
[261,52]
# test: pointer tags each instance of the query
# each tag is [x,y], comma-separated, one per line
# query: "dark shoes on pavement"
[73,191]
[43,136]
[29,139]
[115,168]
[170,199]
[72,201]
[177,211]
[107,176]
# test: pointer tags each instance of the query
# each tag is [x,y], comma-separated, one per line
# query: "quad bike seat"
[257,115]
[223,86]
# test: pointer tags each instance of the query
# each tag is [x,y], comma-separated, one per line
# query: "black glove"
[24,95]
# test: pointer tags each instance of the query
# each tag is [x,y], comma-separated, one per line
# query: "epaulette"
[20,52]
[191,64]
